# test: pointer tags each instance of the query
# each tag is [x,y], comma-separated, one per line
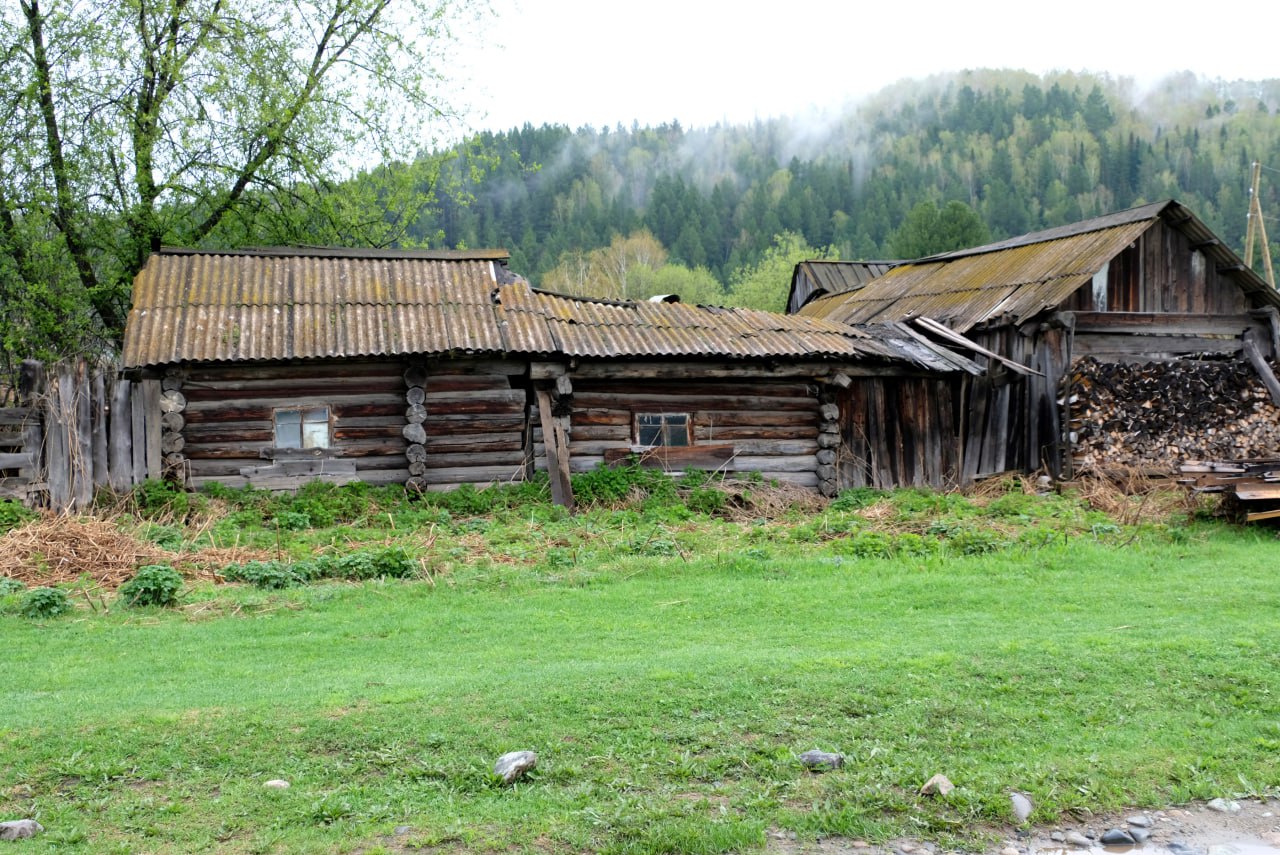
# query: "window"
[662,429]
[302,428]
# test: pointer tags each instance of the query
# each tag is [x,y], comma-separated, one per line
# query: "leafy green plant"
[292,520]
[10,586]
[152,585]
[45,603]
[271,575]
[14,514]
[967,540]
[867,544]
[856,499]
[156,499]
[706,500]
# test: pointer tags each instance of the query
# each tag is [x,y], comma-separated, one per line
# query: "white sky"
[598,62]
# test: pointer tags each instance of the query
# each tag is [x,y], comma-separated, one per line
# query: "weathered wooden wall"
[772,424]
[899,432]
[226,422]
[475,424]
[1163,272]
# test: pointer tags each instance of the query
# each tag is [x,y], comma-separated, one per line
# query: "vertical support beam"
[1254,354]
[32,389]
[101,419]
[138,429]
[557,445]
[58,438]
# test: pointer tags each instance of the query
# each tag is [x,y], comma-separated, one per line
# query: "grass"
[667,667]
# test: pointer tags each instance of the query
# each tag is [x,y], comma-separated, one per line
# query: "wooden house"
[436,369]
[1150,283]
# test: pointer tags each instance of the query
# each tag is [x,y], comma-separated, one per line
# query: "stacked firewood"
[1159,414]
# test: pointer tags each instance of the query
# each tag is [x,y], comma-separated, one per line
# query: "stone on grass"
[277,784]
[512,765]
[1117,837]
[1224,806]
[937,785]
[821,761]
[19,829]
[1022,806]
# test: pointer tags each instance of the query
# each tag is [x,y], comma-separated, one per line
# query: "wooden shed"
[436,369]
[1149,283]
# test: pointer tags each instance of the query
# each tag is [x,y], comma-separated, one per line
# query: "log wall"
[772,424]
[227,425]
[475,428]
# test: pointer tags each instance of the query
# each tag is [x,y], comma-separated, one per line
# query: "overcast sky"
[597,62]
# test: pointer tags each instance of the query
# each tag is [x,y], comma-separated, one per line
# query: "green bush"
[272,575]
[13,514]
[856,499]
[392,562]
[45,603]
[160,499]
[867,544]
[975,541]
[705,500]
[292,520]
[10,586]
[152,585]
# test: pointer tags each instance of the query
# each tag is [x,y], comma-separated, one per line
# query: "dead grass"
[57,549]
[1131,496]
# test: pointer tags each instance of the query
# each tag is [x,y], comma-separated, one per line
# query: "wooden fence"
[79,427]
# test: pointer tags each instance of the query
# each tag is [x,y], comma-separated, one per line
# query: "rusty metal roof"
[273,305]
[1015,279]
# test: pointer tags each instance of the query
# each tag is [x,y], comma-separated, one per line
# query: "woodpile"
[1157,415]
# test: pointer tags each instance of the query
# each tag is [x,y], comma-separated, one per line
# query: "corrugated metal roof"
[818,277]
[1018,278]
[201,306]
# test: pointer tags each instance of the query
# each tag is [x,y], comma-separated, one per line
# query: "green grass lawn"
[667,667]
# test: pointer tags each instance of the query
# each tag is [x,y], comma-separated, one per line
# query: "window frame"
[682,423]
[301,424]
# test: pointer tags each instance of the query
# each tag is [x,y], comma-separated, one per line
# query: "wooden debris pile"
[1253,484]
[1156,415]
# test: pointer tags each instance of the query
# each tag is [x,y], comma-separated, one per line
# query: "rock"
[1140,835]
[19,829]
[512,765]
[907,848]
[1224,806]
[402,830]
[1058,837]
[277,784]
[1272,838]
[1010,850]
[1117,837]
[1139,821]
[1022,806]
[1077,839]
[937,785]
[860,844]
[821,761]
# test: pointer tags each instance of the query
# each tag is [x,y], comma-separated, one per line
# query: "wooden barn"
[436,369]
[1150,283]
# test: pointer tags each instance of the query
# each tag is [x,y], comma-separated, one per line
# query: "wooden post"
[557,444]
[1254,354]
[58,443]
[120,441]
[101,419]
[151,421]
[138,430]
[82,460]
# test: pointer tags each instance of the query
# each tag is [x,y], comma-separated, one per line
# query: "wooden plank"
[683,370]
[1161,323]
[476,475]
[151,427]
[557,453]
[198,404]
[20,460]
[676,457]
[1094,344]
[59,439]
[101,419]
[511,458]
[16,416]
[621,400]
[337,368]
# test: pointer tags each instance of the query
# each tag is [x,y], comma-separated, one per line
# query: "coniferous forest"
[924,166]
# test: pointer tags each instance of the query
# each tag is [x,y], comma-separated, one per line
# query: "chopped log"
[415,433]
[416,453]
[415,395]
[172,401]
[674,457]
[173,422]
[416,414]
[416,375]
[1253,353]
[172,443]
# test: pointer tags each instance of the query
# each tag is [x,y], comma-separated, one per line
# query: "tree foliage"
[125,124]
[927,230]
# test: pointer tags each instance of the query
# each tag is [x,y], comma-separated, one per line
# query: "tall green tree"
[928,230]
[125,124]
[764,285]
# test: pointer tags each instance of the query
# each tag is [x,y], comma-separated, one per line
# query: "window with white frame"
[653,429]
[302,428]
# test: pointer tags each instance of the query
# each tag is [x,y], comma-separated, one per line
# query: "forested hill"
[1022,151]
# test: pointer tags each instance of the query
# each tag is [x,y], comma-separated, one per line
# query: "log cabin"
[435,369]
[1147,284]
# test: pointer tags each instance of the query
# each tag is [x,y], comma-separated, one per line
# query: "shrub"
[10,586]
[152,585]
[856,499]
[14,514]
[45,603]
[705,500]
[292,520]
[264,574]
[975,541]
[161,498]
[393,562]
[867,544]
